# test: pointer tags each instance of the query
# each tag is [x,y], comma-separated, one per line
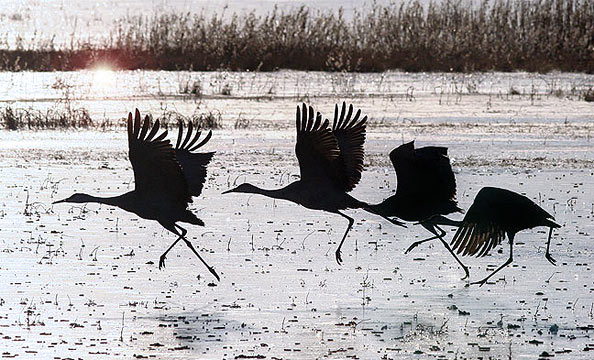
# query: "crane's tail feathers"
[552,224]
[192,219]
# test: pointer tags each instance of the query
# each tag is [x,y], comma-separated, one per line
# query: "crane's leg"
[394,221]
[351,222]
[509,260]
[439,233]
[548,254]
[435,221]
[189,244]
[417,243]
[182,236]
[164,255]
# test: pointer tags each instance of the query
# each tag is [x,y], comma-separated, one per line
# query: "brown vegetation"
[539,35]
[58,117]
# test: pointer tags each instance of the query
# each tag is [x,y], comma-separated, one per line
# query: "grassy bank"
[538,36]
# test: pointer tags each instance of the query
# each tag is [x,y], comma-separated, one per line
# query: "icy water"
[83,281]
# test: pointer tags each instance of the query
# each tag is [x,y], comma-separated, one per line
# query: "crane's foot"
[214,273]
[338,257]
[412,246]
[551,260]
[466,273]
[162,262]
[480,282]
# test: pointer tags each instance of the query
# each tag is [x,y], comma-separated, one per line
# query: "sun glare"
[104,78]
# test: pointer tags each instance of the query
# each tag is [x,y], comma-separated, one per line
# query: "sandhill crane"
[494,213]
[165,179]
[426,190]
[330,162]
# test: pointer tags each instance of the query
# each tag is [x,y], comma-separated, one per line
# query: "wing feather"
[201,143]
[486,216]
[350,136]
[316,146]
[193,164]
[424,174]
[156,169]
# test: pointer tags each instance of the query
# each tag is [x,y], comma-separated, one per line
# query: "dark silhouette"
[426,191]
[330,162]
[494,213]
[165,179]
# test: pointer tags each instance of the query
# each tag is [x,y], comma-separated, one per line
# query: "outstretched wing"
[156,170]
[424,173]
[350,135]
[316,146]
[193,164]
[494,212]
[481,228]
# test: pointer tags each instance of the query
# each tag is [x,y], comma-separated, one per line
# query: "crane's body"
[426,192]
[411,208]
[330,162]
[165,179]
[309,194]
[153,208]
[494,214]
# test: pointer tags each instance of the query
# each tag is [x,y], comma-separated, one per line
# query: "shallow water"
[84,282]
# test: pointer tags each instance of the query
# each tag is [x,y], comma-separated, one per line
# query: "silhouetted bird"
[165,179]
[494,213]
[330,161]
[426,190]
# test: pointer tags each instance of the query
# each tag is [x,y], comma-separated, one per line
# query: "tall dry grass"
[504,35]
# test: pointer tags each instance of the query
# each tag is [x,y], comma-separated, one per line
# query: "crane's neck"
[273,193]
[108,200]
[389,207]
[124,201]
[282,193]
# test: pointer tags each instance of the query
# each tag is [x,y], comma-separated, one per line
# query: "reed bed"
[501,35]
[59,117]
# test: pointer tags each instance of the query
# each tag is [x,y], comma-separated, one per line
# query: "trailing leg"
[164,255]
[438,234]
[351,222]
[548,254]
[430,224]
[189,244]
[464,267]
[182,236]
[509,261]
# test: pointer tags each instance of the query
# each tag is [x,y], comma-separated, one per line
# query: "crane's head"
[75,198]
[244,188]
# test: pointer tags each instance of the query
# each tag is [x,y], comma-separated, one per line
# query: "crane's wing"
[193,164]
[350,135]
[156,170]
[494,212]
[424,173]
[481,228]
[316,146]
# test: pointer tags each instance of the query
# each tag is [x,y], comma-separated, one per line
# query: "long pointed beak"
[59,201]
